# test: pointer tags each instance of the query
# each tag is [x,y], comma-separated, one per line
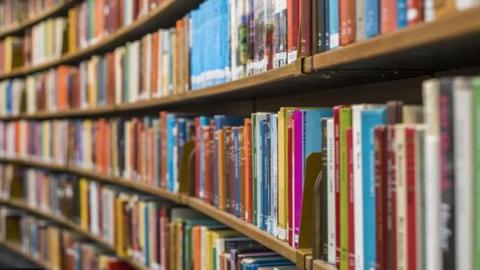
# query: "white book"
[31,92]
[148,67]
[432,174]
[357,183]
[134,65]
[259,169]
[118,55]
[331,192]
[464,172]
[93,199]
[360,17]
[429,11]
[401,196]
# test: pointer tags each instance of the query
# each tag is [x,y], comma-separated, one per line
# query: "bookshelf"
[247,229]
[68,224]
[447,43]
[52,12]
[433,46]
[15,248]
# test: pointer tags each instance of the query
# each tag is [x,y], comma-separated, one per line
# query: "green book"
[476,217]
[345,122]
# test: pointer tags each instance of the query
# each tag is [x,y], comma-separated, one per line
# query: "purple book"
[297,173]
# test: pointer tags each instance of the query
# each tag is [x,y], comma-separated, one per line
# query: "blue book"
[372,18]
[204,121]
[313,129]
[256,262]
[402,20]
[262,192]
[333,23]
[9,101]
[101,81]
[171,144]
[370,119]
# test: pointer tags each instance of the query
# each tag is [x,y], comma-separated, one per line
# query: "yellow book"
[83,186]
[282,219]
[53,247]
[92,66]
[119,231]
[72,30]
[8,44]
[141,224]
[173,248]
[221,170]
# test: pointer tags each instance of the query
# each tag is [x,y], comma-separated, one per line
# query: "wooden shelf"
[447,43]
[164,16]
[17,249]
[228,219]
[70,225]
[19,28]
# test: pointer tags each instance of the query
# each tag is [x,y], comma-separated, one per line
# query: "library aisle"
[240,134]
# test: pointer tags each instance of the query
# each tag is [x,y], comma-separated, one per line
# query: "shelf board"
[19,28]
[164,16]
[18,250]
[247,229]
[72,226]
[448,42]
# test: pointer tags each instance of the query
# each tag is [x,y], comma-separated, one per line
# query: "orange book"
[388,16]
[140,151]
[108,157]
[154,63]
[221,170]
[196,246]
[62,88]
[347,22]
[247,139]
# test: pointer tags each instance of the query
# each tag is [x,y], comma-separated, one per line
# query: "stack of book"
[91,21]
[250,38]
[15,12]
[375,161]
[58,247]
[154,233]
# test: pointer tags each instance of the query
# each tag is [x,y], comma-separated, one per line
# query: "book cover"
[345,122]
[370,118]
[447,174]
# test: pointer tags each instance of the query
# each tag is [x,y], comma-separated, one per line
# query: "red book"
[391,201]
[292,27]
[206,157]
[381,193]
[388,16]
[336,119]
[351,202]
[248,169]
[415,11]
[110,78]
[290,176]
[305,27]
[411,173]
[211,163]
[149,148]
[347,22]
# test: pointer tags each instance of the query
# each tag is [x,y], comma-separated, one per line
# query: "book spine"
[351,199]
[415,11]
[292,29]
[447,174]
[282,175]
[358,188]
[305,17]
[331,193]
[380,194]
[298,172]
[464,172]
[336,127]
[360,7]
[401,196]
[347,22]
[391,201]
[344,123]
[388,16]
[372,18]
[411,204]
[402,8]
[476,184]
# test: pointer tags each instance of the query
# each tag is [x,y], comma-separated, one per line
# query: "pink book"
[297,173]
